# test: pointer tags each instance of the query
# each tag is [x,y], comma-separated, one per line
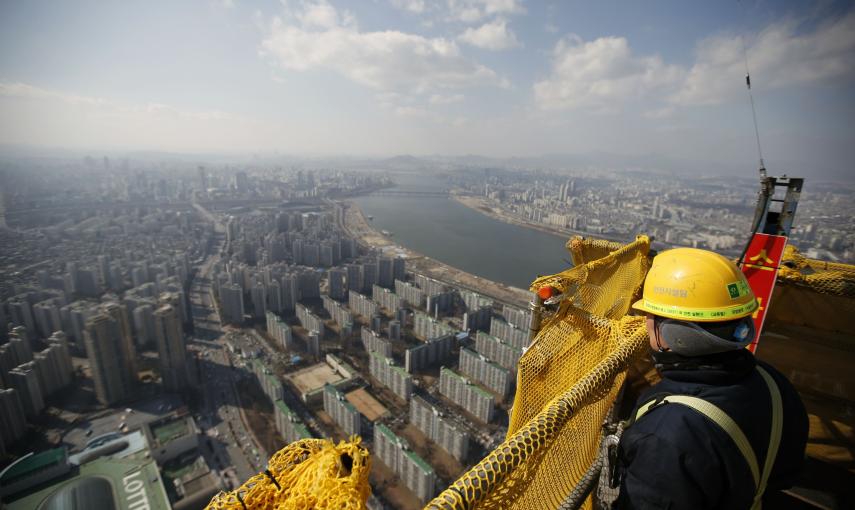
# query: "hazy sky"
[489,77]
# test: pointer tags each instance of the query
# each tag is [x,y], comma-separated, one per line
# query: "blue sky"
[382,77]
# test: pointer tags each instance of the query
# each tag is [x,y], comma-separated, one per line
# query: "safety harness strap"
[718,416]
[732,429]
[774,436]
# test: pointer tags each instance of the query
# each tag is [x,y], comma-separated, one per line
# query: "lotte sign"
[761,269]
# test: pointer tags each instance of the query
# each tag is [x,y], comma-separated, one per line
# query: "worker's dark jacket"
[676,458]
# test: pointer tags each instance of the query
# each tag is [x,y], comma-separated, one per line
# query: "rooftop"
[170,429]
[104,484]
[33,463]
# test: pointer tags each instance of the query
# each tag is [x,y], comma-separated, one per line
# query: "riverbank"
[359,227]
[483,206]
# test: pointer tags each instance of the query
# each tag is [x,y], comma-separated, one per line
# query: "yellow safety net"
[823,277]
[306,474]
[567,380]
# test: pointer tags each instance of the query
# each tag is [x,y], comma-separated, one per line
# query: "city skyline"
[494,78]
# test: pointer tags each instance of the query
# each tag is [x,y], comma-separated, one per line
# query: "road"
[235,454]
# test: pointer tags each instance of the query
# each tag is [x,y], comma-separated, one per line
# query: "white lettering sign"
[135,491]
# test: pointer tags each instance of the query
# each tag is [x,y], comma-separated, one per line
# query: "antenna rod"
[753,110]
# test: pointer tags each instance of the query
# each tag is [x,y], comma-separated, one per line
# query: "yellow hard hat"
[696,285]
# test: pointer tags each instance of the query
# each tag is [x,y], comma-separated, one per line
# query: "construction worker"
[721,428]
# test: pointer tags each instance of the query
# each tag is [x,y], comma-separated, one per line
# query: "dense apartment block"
[386,298]
[390,375]
[171,349]
[478,319]
[24,379]
[439,428]
[289,425]
[375,343]
[429,353]
[231,299]
[13,423]
[495,349]
[510,334]
[519,318]
[429,285]
[360,304]
[309,320]
[279,330]
[270,384]
[341,411]
[337,311]
[394,451]
[337,279]
[437,304]
[412,295]
[101,338]
[480,369]
[474,301]
[426,327]
[467,395]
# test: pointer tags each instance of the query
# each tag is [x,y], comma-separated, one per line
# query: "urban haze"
[251,227]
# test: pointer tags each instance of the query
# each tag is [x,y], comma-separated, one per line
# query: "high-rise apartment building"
[375,343]
[337,287]
[361,305]
[500,352]
[386,298]
[341,411]
[390,375]
[309,320]
[429,353]
[13,422]
[279,330]
[385,272]
[395,452]
[25,380]
[171,348]
[127,349]
[467,395]
[412,295]
[439,428]
[482,370]
[102,337]
[231,297]
[426,327]
[289,425]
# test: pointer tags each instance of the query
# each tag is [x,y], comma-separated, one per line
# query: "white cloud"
[779,57]
[445,99]
[469,11]
[26,91]
[601,75]
[416,6]
[387,60]
[491,36]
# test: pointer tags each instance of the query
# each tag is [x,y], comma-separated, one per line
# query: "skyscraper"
[231,297]
[171,348]
[385,272]
[13,424]
[25,380]
[127,350]
[337,289]
[102,338]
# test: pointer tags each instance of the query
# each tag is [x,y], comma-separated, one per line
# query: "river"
[454,234]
